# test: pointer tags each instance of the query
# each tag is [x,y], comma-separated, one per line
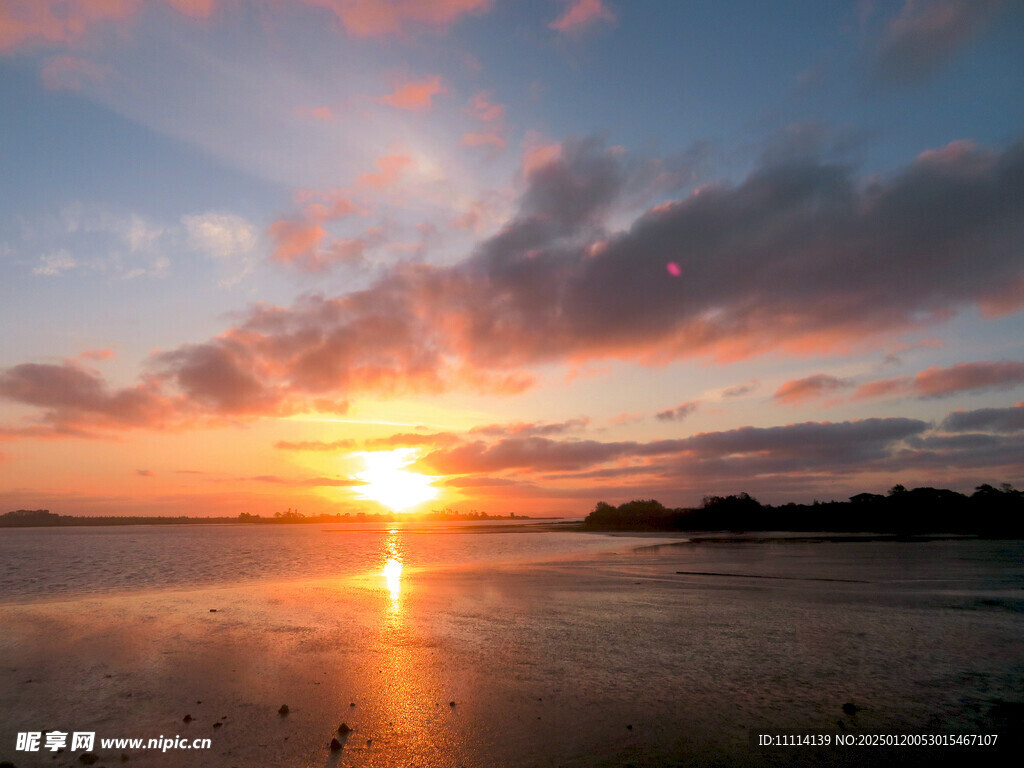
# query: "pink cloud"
[678,413]
[485,110]
[376,18]
[98,354]
[389,169]
[415,95]
[801,390]
[64,22]
[941,382]
[486,139]
[582,13]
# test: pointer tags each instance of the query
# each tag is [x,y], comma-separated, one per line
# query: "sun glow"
[389,483]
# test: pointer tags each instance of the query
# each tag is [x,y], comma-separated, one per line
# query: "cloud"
[926,35]
[75,398]
[331,446]
[678,413]
[54,264]
[810,446]
[990,419]
[71,73]
[530,429]
[935,382]
[303,242]
[98,354]
[492,117]
[221,235]
[377,18]
[801,390]
[581,14]
[145,473]
[389,169]
[741,389]
[797,259]
[306,482]
[415,95]
[26,23]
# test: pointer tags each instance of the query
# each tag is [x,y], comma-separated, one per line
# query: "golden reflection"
[393,568]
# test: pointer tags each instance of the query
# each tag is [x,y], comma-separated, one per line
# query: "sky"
[348,256]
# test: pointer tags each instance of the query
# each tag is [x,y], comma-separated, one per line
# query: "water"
[693,646]
[42,563]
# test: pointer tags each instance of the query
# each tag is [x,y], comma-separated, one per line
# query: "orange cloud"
[582,13]
[801,390]
[376,18]
[415,95]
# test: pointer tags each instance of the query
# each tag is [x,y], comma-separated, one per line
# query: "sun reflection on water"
[393,568]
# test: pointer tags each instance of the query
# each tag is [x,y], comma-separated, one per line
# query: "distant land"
[44,518]
[989,511]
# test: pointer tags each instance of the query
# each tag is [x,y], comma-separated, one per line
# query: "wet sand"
[607,660]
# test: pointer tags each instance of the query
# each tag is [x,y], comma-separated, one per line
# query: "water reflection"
[393,568]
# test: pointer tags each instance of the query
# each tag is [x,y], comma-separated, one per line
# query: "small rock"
[283,710]
[7,764]
[850,708]
[335,745]
[352,704]
[199,701]
[124,758]
[88,758]
[218,725]
[629,727]
[343,729]
[213,610]
[451,703]
[369,742]
[187,719]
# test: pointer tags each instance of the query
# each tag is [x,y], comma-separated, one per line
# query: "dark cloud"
[986,419]
[531,429]
[678,413]
[800,257]
[926,35]
[306,482]
[741,389]
[938,382]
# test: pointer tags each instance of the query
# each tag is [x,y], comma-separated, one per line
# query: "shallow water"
[614,658]
[56,562]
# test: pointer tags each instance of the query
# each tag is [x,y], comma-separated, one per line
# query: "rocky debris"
[352,704]
[335,745]
[451,703]
[187,719]
[283,710]
[218,725]
[344,730]
[850,708]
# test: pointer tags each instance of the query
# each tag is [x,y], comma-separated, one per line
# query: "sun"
[389,483]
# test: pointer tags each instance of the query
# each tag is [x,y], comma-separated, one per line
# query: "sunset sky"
[259,254]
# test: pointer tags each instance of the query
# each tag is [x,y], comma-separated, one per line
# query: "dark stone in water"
[335,745]
[850,708]
[283,710]
[187,719]
[343,729]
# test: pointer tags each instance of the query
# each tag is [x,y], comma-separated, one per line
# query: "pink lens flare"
[673,269]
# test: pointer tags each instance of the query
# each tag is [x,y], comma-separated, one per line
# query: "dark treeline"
[44,518]
[989,511]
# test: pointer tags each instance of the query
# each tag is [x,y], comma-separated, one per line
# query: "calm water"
[54,562]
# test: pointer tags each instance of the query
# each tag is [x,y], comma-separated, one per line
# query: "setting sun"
[390,484]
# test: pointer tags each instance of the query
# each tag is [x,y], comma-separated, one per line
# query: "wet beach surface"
[606,659]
